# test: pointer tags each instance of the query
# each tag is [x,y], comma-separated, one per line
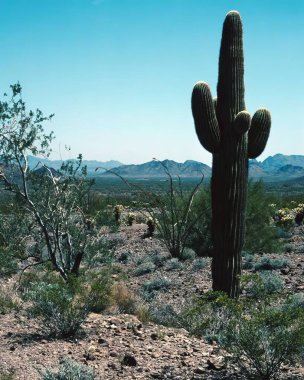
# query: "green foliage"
[208,315]
[53,205]
[262,284]
[7,303]
[144,268]
[8,262]
[262,343]
[261,232]
[157,258]
[170,212]
[100,288]
[247,260]
[267,263]
[70,370]
[150,288]
[199,238]
[60,306]
[4,375]
[163,314]
[199,264]
[173,264]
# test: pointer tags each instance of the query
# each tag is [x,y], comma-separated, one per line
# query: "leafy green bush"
[188,254]
[262,284]
[61,307]
[70,370]
[247,260]
[173,264]
[199,264]
[8,262]
[199,238]
[267,263]
[99,295]
[208,315]
[163,314]
[4,375]
[261,232]
[144,268]
[149,288]
[7,301]
[158,259]
[261,339]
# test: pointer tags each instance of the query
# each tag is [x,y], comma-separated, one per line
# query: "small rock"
[154,336]
[113,354]
[129,360]
[199,370]
[103,342]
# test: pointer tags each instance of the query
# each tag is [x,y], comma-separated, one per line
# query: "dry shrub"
[123,299]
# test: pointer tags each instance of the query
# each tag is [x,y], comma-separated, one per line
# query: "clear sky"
[118,74]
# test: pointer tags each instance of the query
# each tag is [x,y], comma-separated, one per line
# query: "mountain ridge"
[273,168]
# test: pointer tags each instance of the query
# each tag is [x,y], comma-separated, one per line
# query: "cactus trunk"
[222,128]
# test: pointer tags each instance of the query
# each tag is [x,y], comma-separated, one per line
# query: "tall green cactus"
[225,129]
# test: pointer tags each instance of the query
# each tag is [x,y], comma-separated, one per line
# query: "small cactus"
[151,223]
[130,218]
[225,129]
[117,213]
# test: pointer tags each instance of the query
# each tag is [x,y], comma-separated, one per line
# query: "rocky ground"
[120,346]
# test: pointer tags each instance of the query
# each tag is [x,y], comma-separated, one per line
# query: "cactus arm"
[205,121]
[241,122]
[259,132]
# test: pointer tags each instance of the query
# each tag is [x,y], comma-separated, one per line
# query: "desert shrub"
[150,288]
[70,370]
[100,251]
[7,375]
[262,284]
[188,254]
[61,307]
[199,264]
[261,232]
[123,299]
[247,260]
[289,247]
[144,268]
[267,263]
[164,315]
[158,259]
[100,289]
[170,212]
[8,262]
[8,302]
[262,339]
[208,315]
[199,238]
[173,264]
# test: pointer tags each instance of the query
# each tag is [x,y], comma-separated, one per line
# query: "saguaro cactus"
[225,129]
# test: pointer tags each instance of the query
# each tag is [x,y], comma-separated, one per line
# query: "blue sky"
[118,74]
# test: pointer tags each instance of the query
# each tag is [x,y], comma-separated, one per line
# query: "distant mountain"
[291,170]
[279,167]
[92,165]
[156,169]
[273,163]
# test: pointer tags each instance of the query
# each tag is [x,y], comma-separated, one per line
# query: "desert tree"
[54,202]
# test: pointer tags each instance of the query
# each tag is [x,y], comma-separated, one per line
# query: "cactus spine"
[226,130]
